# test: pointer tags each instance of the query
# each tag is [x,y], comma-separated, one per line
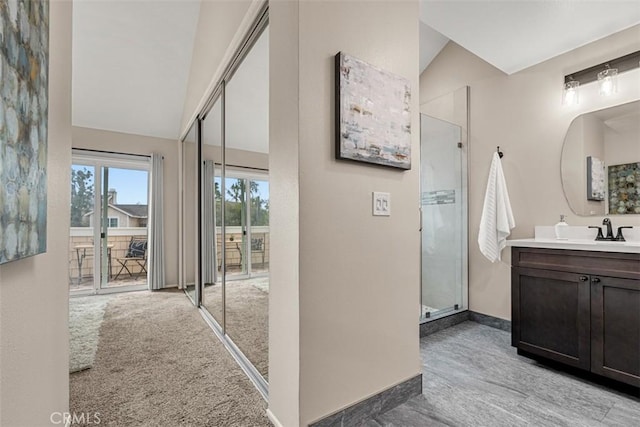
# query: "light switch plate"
[381,204]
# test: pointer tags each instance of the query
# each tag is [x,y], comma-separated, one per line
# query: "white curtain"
[156,224]
[209,260]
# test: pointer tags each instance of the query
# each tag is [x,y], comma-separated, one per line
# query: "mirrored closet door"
[226,195]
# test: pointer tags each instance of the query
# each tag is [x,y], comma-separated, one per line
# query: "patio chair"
[136,255]
[257,245]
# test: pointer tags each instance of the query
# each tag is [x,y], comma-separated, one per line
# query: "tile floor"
[473,377]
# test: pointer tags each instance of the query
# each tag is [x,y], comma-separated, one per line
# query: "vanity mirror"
[600,164]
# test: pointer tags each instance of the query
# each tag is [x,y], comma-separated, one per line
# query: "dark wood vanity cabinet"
[615,328]
[580,308]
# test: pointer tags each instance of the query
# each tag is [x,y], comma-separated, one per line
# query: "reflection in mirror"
[600,163]
[246,195]
[189,214]
[212,294]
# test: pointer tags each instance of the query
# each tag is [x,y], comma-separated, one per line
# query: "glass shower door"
[443,207]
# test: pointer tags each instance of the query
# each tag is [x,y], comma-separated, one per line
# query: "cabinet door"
[615,328]
[550,315]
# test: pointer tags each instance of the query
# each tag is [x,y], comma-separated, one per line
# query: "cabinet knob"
[583,278]
[596,280]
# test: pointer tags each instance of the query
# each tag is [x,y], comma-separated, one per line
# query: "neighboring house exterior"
[122,215]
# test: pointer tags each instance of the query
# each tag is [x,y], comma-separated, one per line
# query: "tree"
[218,202]
[259,211]
[236,204]
[81,196]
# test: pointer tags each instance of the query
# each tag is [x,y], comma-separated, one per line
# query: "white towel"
[497,218]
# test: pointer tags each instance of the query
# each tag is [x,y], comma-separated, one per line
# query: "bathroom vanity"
[577,302]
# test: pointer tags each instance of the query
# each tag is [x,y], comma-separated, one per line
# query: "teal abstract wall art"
[24,73]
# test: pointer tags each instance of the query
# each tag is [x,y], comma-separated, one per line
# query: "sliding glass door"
[247,224]
[81,232]
[108,224]
[259,227]
[236,227]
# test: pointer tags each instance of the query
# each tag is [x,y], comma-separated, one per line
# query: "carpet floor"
[159,364]
[85,317]
[247,312]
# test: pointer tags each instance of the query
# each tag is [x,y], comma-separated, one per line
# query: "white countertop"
[580,239]
[577,245]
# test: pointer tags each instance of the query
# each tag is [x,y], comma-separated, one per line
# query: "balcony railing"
[236,249]
[81,257]
[81,254]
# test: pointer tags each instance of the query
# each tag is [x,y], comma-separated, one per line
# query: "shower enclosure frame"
[455,109]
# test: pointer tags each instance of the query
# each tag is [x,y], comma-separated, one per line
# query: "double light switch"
[381,204]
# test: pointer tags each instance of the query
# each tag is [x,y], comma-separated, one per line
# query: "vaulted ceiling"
[131,64]
[131,58]
[514,35]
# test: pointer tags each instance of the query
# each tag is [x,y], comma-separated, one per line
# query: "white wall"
[284,214]
[573,166]
[622,147]
[218,24]
[356,276]
[593,143]
[524,115]
[34,342]
[102,140]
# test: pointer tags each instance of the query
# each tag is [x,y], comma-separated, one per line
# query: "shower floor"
[426,309]
[435,313]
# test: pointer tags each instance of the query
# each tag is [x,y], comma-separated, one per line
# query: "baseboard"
[373,406]
[433,326]
[274,420]
[494,322]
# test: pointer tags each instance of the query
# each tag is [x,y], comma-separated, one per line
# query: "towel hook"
[500,153]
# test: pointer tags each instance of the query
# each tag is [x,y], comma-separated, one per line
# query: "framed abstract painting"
[595,179]
[373,116]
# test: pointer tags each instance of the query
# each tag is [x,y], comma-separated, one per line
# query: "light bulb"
[608,81]
[570,95]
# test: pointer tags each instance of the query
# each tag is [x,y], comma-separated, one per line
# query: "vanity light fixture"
[606,74]
[608,80]
[570,94]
